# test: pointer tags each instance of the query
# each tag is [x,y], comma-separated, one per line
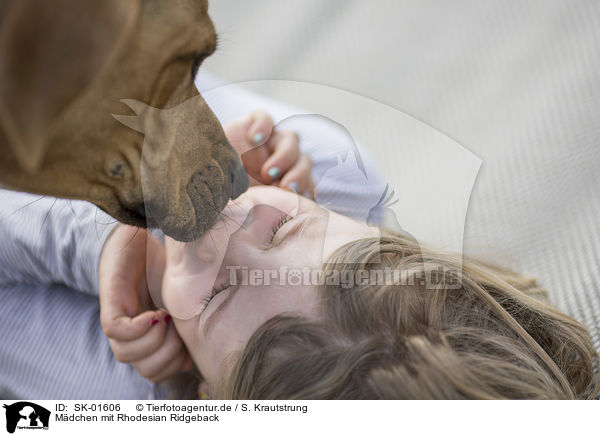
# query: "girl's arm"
[47,240]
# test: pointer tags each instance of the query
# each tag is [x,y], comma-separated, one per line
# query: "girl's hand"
[271,157]
[132,263]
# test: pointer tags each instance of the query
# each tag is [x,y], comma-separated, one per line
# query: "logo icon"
[26,415]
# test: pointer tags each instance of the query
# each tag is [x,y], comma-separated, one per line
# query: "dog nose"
[239,181]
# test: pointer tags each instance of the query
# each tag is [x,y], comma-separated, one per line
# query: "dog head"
[66,68]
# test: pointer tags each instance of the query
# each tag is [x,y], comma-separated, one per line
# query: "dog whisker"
[70,203]
[137,230]
[221,214]
[96,223]
[28,204]
[213,240]
[47,215]
[238,205]
[231,218]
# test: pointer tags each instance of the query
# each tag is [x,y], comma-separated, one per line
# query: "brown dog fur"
[66,65]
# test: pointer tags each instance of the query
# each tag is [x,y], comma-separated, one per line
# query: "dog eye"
[198,59]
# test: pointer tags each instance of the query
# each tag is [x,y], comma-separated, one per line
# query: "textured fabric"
[52,344]
[516,82]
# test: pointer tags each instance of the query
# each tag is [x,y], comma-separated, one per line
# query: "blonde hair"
[492,337]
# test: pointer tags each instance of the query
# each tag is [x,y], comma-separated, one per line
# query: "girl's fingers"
[248,136]
[172,367]
[260,128]
[299,177]
[285,147]
[155,363]
[253,160]
[267,154]
[124,328]
[131,351]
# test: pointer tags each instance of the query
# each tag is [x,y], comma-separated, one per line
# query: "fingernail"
[258,137]
[273,172]
[154,322]
[167,319]
[294,186]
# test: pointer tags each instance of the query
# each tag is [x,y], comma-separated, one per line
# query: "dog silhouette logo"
[26,415]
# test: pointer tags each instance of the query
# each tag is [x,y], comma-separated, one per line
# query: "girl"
[440,329]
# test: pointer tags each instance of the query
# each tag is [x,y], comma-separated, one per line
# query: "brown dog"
[65,66]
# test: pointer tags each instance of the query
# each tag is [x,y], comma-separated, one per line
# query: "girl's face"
[256,263]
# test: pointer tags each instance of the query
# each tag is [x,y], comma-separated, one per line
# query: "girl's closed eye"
[284,219]
[216,290]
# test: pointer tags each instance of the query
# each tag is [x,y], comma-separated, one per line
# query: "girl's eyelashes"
[205,302]
[284,219]
[216,290]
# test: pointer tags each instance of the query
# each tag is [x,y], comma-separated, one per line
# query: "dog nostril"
[141,209]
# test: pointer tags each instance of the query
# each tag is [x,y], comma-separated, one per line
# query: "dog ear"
[49,53]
